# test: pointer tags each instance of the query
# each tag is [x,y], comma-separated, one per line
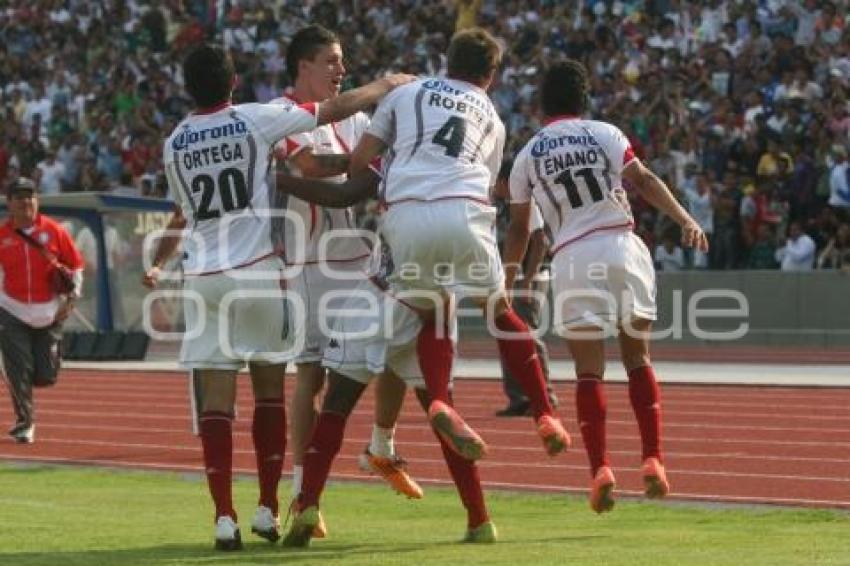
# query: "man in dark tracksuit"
[526,307]
[32,307]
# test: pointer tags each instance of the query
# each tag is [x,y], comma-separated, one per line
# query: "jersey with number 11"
[444,138]
[573,170]
[217,164]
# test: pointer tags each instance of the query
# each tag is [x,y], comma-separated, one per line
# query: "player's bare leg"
[323,446]
[645,398]
[380,456]
[218,397]
[519,354]
[268,431]
[435,351]
[588,352]
[309,382]
[464,473]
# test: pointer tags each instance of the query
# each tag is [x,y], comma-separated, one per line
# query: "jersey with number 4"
[444,138]
[217,165]
[573,170]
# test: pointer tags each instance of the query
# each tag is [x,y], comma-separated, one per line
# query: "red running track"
[742,444]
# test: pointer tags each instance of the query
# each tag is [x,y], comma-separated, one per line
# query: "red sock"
[268,430]
[465,475]
[319,454]
[435,359]
[217,443]
[591,408]
[646,403]
[520,356]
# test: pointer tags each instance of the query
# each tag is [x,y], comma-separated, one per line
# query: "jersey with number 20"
[217,164]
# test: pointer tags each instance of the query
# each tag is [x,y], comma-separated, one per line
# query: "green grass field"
[64,516]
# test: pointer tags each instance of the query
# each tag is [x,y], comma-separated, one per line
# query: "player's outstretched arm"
[165,247]
[656,192]
[347,103]
[329,194]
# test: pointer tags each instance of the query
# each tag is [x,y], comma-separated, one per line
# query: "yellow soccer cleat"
[302,528]
[485,533]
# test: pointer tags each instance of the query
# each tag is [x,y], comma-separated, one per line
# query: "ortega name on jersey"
[223,152]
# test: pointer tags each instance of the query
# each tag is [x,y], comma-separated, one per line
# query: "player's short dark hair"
[208,73]
[473,55]
[565,88]
[305,44]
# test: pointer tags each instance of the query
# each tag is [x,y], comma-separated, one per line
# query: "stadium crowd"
[740,105]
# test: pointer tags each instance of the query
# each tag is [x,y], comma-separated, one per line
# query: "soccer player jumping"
[444,143]
[575,170]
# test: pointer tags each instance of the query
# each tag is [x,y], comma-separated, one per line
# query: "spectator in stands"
[730,74]
[836,254]
[669,256]
[763,252]
[839,180]
[798,254]
[48,174]
[700,201]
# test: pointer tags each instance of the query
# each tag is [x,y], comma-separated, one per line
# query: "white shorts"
[442,244]
[603,280]
[310,286]
[378,334]
[232,321]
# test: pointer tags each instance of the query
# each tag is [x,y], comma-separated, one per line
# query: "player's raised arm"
[352,101]
[327,193]
[656,192]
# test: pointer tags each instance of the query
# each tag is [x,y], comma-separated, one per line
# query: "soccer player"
[216,162]
[444,145]
[575,170]
[314,61]
[376,334]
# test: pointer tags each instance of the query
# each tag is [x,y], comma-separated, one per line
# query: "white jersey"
[444,138]
[336,138]
[573,170]
[217,164]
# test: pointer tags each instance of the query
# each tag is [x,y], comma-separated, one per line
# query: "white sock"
[297,477]
[382,441]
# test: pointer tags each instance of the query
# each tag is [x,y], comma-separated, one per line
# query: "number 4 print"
[567,181]
[451,135]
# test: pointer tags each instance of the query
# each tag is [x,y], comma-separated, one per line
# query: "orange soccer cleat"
[393,470]
[655,481]
[602,490]
[457,434]
[555,437]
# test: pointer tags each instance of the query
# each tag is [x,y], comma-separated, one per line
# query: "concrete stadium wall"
[775,308]
[801,309]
